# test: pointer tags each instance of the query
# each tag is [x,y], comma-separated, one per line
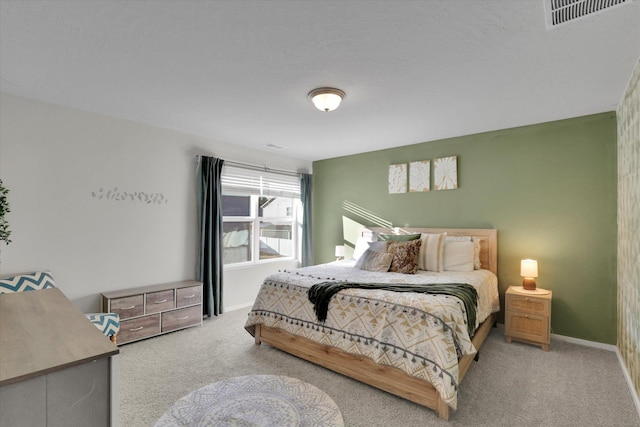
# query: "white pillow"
[477,265]
[431,252]
[361,247]
[458,256]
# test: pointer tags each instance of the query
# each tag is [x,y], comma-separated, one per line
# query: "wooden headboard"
[488,240]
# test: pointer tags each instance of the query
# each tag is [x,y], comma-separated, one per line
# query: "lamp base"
[529,283]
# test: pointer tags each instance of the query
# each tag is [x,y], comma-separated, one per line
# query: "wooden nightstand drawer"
[527,304]
[142,327]
[128,306]
[188,296]
[160,301]
[177,319]
[529,327]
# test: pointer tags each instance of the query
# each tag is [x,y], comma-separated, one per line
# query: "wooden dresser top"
[151,288]
[43,332]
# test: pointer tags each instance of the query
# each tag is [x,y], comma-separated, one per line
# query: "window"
[276,227]
[259,216]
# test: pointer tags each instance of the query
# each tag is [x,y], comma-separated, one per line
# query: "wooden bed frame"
[388,378]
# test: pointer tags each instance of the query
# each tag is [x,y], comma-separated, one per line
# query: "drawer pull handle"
[136,329]
[182,318]
[189,296]
[160,302]
[128,308]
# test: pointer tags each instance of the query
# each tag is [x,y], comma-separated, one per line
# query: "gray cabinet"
[57,369]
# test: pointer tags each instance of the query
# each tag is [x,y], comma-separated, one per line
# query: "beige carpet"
[511,385]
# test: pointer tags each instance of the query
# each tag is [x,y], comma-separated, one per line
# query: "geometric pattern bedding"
[422,335]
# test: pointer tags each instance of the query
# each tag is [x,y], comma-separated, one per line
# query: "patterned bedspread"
[423,335]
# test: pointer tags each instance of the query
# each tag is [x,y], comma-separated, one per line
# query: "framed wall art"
[420,176]
[398,178]
[445,173]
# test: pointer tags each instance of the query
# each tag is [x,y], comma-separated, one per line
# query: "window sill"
[243,265]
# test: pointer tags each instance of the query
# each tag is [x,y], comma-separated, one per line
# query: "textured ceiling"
[239,71]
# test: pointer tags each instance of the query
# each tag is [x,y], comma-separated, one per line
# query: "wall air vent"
[558,12]
[273,146]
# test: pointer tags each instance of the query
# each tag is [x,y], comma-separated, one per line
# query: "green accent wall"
[549,190]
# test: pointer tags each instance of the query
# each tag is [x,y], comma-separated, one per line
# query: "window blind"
[245,181]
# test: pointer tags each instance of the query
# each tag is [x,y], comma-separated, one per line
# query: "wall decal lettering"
[136,196]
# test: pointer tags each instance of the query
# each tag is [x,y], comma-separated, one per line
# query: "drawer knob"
[189,296]
[182,318]
[136,329]
[128,308]
[526,299]
[526,316]
[160,302]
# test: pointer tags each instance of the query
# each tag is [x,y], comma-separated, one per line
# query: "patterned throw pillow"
[431,252]
[405,256]
[477,265]
[27,282]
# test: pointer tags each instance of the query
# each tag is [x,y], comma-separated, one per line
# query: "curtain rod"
[257,167]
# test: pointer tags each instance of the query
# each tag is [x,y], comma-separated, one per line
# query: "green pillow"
[398,237]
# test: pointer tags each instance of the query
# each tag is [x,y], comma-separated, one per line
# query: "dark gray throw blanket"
[321,293]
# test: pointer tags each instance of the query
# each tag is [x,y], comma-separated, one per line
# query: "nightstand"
[528,316]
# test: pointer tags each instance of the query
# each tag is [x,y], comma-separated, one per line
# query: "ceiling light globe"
[326,99]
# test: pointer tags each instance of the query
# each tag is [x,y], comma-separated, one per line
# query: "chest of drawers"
[153,310]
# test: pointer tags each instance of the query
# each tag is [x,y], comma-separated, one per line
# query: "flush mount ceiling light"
[326,98]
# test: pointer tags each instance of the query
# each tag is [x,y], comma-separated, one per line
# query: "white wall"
[57,161]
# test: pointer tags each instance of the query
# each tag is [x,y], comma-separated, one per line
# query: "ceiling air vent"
[560,12]
[273,146]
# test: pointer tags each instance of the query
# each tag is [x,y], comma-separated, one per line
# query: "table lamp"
[529,270]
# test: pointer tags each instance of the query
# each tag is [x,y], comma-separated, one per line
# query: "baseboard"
[627,377]
[238,307]
[586,343]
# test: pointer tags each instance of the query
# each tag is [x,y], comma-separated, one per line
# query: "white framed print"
[398,178]
[445,173]
[420,176]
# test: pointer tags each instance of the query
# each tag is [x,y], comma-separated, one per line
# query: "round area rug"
[254,400]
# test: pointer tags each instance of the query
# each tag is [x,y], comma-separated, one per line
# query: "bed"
[413,345]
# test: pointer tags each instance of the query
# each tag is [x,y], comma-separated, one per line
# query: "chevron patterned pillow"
[27,282]
[108,323]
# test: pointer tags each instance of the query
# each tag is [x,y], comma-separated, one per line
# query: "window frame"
[255,220]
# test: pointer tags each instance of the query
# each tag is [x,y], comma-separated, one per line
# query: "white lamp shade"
[529,268]
[326,99]
[340,250]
